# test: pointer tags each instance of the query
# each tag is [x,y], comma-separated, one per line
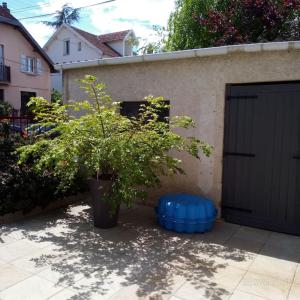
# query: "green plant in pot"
[120,156]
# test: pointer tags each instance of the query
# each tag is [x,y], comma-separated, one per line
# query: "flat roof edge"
[201,52]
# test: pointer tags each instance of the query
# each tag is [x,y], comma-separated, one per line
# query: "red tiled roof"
[100,41]
[114,36]
[5,13]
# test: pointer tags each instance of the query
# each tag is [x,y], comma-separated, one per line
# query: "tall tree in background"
[153,44]
[67,15]
[228,22]
[253,21]
[184,30]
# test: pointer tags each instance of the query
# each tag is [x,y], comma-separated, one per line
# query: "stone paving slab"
[294,292]
[10,275]
[33,288]
[60,255]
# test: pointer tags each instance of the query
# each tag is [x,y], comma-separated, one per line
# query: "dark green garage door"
[261,176]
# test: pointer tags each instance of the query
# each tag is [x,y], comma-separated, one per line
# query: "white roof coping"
[276,46]
[253,47]
[202,52]
[212,51]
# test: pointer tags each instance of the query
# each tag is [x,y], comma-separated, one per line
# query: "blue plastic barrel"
[186,213]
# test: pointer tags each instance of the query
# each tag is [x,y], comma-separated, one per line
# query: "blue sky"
[139,15]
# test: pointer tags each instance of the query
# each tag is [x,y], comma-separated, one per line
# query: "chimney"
[4,5]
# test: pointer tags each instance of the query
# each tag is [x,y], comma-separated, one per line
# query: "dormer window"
[79,46]
[66,47]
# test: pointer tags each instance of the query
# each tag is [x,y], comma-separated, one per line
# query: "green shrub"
[5,108]
[56,96]
[21,188]
[134,151]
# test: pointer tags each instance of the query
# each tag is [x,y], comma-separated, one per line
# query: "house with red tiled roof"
[70,44]
[24,66]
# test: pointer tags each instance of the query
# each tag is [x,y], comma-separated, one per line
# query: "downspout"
[62,82]
[65,84]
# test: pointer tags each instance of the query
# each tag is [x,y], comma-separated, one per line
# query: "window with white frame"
[66,47]
[31,65]
[79,46]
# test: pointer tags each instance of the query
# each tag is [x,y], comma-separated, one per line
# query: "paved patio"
[60,255]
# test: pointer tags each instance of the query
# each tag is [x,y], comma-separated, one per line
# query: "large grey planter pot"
[103,218]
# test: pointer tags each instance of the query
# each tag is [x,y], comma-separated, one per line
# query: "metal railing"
[15,124]
[4,73]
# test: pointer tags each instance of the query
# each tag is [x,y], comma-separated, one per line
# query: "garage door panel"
[293,196]
[290,180]
[239,196]
[240,126]
[279,172]
[261,184]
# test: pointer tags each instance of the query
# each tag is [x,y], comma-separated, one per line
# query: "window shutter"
[38,66]
[23,63]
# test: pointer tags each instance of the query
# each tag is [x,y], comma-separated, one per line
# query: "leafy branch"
[93,138]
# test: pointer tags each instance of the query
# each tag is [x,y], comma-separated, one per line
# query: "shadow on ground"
[136,253]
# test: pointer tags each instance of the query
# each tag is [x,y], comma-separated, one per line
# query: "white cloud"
[139,15]
[39,31]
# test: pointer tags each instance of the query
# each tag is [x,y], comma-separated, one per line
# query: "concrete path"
[60,255]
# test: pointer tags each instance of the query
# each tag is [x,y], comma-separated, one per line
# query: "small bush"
[56,96]
[21,188]
[5,108]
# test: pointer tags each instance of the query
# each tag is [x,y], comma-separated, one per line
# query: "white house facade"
[70,44]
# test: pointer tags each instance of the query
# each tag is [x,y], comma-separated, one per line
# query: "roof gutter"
[184,54]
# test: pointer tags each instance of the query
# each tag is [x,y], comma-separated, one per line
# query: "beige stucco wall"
[195,87]
[16,45]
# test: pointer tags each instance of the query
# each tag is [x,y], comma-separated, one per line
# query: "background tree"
[153,44]
[184,29]
[67,15]
[232,22]
[253,21]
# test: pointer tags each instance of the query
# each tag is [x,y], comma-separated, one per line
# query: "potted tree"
[120,156]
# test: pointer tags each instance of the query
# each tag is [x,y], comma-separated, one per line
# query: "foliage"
[101,142]
[67,15]
[8,142]
[5,108]
[208,23]
[56,96]
[184,30]
[252,21]
[155,44]
[21,188]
